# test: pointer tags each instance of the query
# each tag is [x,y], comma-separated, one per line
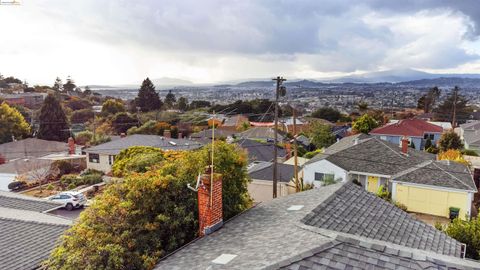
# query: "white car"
[70,200]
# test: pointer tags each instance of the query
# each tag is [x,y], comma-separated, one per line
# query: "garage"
[431,201]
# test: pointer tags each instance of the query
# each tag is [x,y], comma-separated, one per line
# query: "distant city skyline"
[121,42]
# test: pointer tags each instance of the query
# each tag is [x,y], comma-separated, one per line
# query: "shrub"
[401,206]
[68,179]
[312,153]
[91,171]
[432,150]
[84,137]
[438,226]
[71,186]
[135,158]
[383,193]
[468,152]
[92,179]
[50,187]
[467,232]
[16,185]
[63,166]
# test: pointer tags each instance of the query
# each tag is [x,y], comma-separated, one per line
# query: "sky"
[209,41]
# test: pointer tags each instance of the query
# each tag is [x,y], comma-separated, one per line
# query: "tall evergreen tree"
[454,102]
[53,122]
[170,99]
[69,86]
[182,104]
[58,85]
[148,99]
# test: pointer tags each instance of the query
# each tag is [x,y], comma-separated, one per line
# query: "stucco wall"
[261,190]
[101,166]
[322,166]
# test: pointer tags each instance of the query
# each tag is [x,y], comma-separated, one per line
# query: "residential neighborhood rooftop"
[264,171]
[308,229]
[31,147]
[114,147]
[259,151]
[407,127]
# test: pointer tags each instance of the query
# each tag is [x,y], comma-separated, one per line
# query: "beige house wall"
[261,190]
[103,165]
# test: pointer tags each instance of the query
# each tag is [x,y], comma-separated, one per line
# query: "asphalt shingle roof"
[21,202]
[25,244]
[355,211]
[258,151]
[269,236]
[348,253]
[285,172]
[31,147]
[261,133]
[114,147]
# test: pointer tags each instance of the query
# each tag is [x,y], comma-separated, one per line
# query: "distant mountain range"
[398,76]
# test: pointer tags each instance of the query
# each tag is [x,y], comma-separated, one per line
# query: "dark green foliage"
[122,121]
[428,143]
[53,122]
[432,150]
[174,132]
[69,86]
[170,99]
[182,104]
[148,128]
[63,166]
[148,99]
[82,116]
[258,107]
[321,135]
[427,101]
[196,104]
[468,152]
[312,153]
[444,112]
[327,113]
[76,104]
[450,140]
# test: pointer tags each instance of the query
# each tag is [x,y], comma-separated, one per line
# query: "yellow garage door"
[372,184]
[429,201]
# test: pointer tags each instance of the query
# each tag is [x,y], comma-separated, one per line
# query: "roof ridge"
[38,222]
[412,169]
[456,178]
[381,141]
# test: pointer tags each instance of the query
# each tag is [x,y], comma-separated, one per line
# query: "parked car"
[70,200]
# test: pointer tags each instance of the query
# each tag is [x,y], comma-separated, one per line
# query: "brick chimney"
[71,146]
[404,145]
[210,212]
[167,134]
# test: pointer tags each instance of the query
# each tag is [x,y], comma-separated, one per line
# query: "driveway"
[72,215]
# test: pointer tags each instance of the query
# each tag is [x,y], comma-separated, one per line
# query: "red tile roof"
[408,127]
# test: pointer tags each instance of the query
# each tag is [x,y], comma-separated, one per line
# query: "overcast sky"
[118,42]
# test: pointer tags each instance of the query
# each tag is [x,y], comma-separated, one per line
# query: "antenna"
[213,148]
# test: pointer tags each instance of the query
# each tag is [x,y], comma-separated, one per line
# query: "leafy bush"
[16,185]
[136,158]
[438,226]
[383,193]
[50,187]
[71,186]
[84,137]
[92,179]
[450,140]
[432,150]
[68,179]
[312,153]
[468,152]
[63,166]
[91,171]
[467,232]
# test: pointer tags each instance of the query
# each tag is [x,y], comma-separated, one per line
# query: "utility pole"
[295,152]
[454,116]
[279,81]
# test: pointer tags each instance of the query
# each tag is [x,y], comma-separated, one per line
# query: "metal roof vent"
[224,259]
[295,207]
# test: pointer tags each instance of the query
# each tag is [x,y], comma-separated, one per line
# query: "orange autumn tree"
[453,155]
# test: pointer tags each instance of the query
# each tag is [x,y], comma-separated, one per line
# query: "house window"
[111,159]
[323,176]
[93,158]
[428,136]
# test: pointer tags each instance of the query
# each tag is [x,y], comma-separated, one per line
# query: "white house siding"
[103,164]
[322,166]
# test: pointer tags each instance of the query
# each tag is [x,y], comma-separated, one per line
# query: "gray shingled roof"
[355,211]
[31,147]
[270,236]
[285,172]
[22,202]
[258,151]
[25,244]
[442,173]
[339,146]
[114,147]
[349,253]
[263,133]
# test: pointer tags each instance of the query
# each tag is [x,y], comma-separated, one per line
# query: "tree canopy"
[170,99]
[444,112]
[122,122]
[53,121]
[327,113]
[364,124]
[321,135]
[148,215]
[450,140]
[112,106]
[467,232]
[148,99]
[182,104]
[428,101]
[12,124]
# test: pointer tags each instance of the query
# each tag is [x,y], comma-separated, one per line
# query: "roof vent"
[224,258]
[172,143]
[295,207]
